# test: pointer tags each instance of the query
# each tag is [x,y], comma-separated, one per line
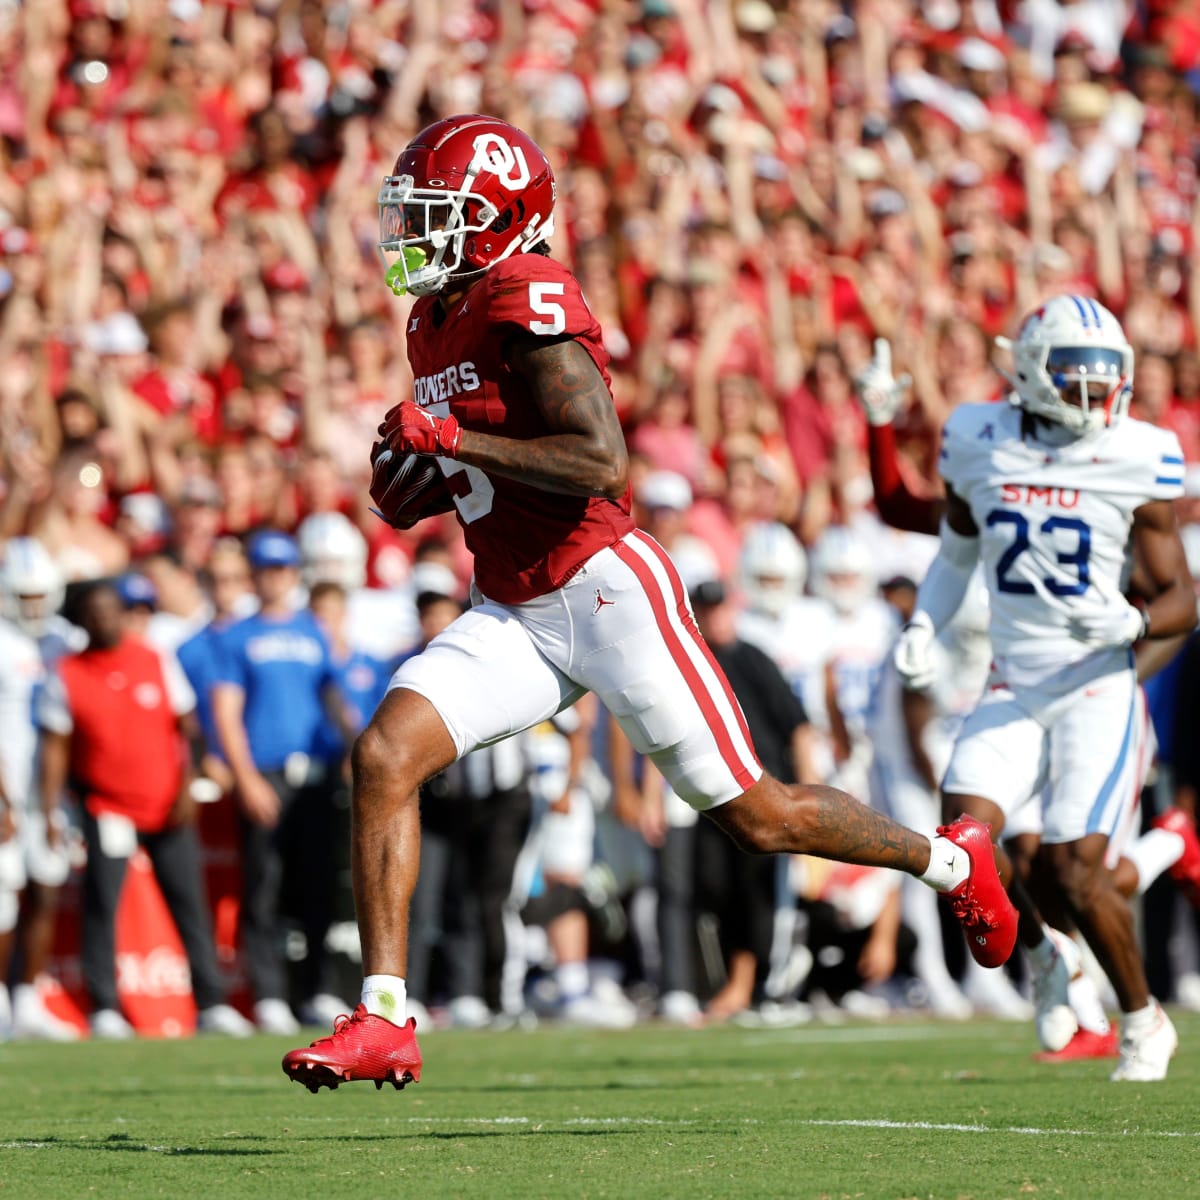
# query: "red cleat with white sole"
[1085,1044]
[1186,871]
[361,1046]
[980,902]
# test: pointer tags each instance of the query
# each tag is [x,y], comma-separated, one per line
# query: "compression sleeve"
[899,505]
[945,583]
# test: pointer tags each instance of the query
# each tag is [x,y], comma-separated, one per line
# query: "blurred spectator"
[134,793]
[740,890]
[232,597]
[664,500]
[274,689]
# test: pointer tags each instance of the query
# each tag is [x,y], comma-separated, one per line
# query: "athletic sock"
[1141,1021]
[1043,954]
[385,996]
[1087,1006]
[572,980]
[1152,854]
[949,865]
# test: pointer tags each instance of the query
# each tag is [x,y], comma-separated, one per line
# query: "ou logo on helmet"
[505,161]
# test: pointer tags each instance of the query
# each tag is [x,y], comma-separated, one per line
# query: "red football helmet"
[465,193]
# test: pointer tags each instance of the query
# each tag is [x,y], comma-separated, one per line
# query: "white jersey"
[797,642]
[961,657]
[860,643]
[21,672]
[1054,514]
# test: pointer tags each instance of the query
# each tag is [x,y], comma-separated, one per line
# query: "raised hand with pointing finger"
[878,392]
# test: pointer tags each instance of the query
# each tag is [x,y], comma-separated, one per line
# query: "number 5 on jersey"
[540,302]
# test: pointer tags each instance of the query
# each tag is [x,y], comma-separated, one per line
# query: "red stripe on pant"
[689,623]
[687,668]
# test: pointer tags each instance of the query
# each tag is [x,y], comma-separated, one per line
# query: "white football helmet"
[31,585]
[843,571]
[772,568]
[1072,364]
[332,550]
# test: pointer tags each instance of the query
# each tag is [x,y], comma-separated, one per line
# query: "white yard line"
[535,1124]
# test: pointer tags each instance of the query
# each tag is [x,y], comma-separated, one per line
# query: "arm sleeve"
[945,584]
[899,504]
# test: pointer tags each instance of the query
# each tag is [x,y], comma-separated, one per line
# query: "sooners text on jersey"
[526,541]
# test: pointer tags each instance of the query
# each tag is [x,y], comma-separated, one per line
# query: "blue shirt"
[362,682]
[198,657]
[283,665]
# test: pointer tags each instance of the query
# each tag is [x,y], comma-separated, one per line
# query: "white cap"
[977,55]
[665,489]
[754,16]
[434,577]
[118,333]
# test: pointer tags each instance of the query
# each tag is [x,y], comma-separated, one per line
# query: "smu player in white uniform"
[1054,493]
[32,637]
[864,628]
[790,628]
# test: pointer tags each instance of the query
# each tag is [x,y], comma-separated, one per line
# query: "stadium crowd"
[196,347]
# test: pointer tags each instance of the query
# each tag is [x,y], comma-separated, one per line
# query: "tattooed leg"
[776,818]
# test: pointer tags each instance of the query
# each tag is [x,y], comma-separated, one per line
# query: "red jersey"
[126,750]
[525,541]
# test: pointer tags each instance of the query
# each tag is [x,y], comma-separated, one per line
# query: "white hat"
[886,202]
[754,16]
[977,55]
[666,489]
[434,577]
[118,333]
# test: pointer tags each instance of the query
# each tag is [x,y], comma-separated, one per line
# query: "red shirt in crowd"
[121,710]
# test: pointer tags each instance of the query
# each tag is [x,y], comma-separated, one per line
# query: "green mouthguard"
[414,258]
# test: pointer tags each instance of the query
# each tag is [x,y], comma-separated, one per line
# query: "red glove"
[408,427]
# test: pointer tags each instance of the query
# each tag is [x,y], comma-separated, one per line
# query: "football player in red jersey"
[512,399]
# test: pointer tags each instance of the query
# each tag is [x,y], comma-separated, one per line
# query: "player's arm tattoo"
[582,452]
[1163,566]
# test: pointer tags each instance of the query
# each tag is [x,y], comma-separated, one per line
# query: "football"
[406,487]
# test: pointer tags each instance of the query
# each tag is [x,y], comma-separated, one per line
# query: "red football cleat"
[1185,872]
[980,901]
[361,1047]
[1085,1044]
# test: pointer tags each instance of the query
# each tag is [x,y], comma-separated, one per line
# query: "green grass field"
[906,1109]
